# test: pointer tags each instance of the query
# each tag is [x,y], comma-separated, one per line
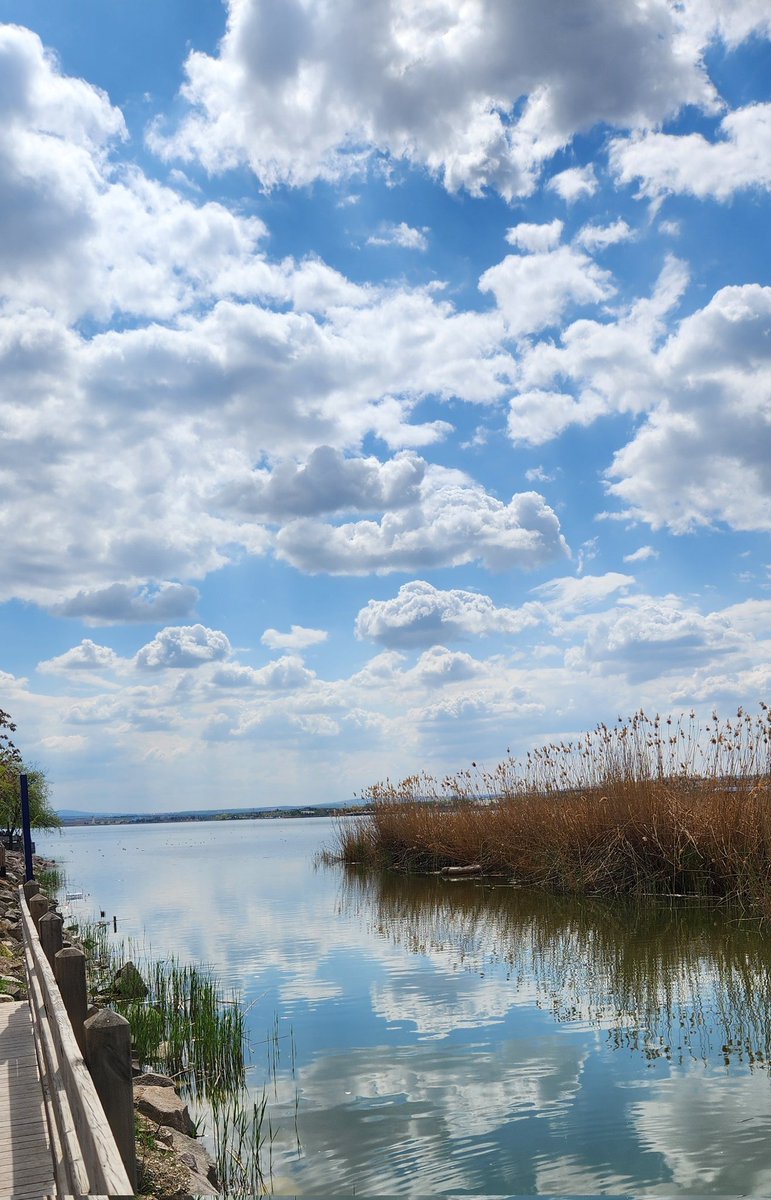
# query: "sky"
[383,387]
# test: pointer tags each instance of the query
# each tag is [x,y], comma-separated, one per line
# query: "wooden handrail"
[87,1161]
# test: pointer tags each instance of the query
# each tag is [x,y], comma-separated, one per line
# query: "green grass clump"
[51,880]
[183,1024]
[647,806]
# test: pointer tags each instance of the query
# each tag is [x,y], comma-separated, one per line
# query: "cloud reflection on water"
[457,1036]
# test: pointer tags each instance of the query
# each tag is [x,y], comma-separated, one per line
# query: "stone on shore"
[191,1152]
[129,983]
[163,1105]
[151,1079]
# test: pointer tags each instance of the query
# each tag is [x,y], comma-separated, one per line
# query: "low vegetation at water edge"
[649,805]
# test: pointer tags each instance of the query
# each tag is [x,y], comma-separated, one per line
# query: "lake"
[423,1037]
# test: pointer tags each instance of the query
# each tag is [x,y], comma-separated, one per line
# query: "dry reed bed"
[648,805]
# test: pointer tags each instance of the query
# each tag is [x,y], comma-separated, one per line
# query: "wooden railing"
[87,1161]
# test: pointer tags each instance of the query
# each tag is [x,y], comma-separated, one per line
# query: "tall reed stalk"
[648,805]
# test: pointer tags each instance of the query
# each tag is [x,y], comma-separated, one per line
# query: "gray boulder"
[163,1106]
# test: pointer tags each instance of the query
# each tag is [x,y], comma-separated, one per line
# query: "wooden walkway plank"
[26,1165]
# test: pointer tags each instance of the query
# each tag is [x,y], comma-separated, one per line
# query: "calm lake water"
[459,1038]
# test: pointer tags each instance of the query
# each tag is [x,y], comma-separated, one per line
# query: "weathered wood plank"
[70,1083]
[26,1166]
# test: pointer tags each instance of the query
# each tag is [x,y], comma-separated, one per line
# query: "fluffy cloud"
[611,366]
[534,290]
[537,416]
[298,638]
[422,615]
[169,487]
[327,482]
[597,237]
[80,235]
[704,20]
[400,235]
[645,637]
[704,453]
[574,184]
[455,522]
[286,674]
[120,603]
[535,237]
[88,656]
[666,162]
[311,93]
[439,666]
[183,646]
[183,413]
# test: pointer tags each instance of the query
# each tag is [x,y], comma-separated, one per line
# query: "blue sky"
[383,387]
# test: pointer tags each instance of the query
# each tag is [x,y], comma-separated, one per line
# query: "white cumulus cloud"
[597,237]
[422,615]
[704,453]
[299,92]
[298,638]
[535,237]
[690,163]
[534,290]
[183,646]
[455,522]
[88,656]
[120,603]
[574,183]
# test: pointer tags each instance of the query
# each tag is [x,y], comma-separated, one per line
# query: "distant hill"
[74,816]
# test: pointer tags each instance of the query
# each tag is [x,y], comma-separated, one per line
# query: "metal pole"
[28,871]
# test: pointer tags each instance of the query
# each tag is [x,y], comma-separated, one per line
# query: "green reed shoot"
[51,880]
[243,1136]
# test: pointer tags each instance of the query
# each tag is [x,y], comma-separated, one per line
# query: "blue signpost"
[26,830]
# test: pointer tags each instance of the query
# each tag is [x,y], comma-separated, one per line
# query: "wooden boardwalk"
[26,1163]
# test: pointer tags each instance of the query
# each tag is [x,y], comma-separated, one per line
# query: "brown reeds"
[650,805]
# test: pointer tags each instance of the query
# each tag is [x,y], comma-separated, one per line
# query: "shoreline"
[239,814]
[167,1155]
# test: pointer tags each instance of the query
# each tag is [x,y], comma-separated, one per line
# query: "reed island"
[650,806]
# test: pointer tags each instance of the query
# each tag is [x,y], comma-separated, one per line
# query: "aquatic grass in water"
[243,1138]
[647,806]
[184,1025]
[51,880]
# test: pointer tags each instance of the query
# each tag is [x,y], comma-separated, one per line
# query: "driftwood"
[458,872]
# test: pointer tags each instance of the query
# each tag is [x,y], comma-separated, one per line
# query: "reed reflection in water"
[456,1037]
[654,1082]
[663,979]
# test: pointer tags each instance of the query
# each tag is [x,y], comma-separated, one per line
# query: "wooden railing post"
[108,1055]
[70,974]
[87,1161]
[38,907]
[50,931]
[31,888]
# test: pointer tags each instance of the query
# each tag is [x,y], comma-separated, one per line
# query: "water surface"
[438,1037]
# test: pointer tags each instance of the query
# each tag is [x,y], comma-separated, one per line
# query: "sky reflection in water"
[458,1037]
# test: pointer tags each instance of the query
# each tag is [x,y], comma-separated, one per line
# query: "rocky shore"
[170,1160]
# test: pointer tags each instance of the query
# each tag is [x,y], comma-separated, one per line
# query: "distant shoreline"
[255,814]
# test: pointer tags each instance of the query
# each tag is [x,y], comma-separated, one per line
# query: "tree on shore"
[42,815]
